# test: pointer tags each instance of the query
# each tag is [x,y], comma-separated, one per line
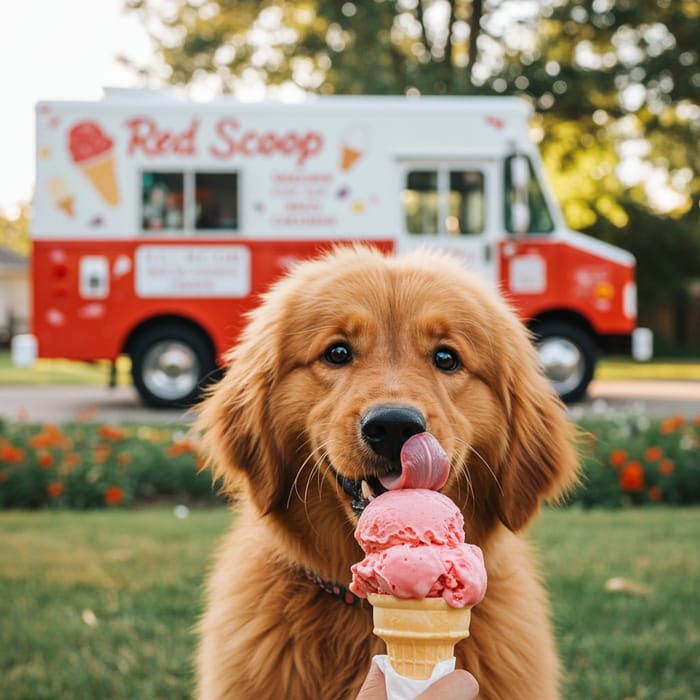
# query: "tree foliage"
[14,232]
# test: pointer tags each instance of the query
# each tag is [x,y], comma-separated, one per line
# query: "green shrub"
[633,460]
[627,460]
[88,465]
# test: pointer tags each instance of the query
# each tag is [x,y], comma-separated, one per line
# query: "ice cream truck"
[158,222]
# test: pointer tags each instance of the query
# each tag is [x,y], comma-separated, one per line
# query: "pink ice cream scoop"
[414,545]
[86,140]
[424,465]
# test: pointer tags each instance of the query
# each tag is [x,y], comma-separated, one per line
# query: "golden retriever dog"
[345,358]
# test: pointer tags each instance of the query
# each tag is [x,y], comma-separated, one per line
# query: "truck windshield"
[540,219]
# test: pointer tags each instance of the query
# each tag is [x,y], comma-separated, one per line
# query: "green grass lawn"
[73,373]
[102,604]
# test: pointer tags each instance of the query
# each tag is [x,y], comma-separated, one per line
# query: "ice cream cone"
[418,633]
[67,206]
[101,172]
[349,156]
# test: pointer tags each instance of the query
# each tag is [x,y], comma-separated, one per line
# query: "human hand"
[458,685]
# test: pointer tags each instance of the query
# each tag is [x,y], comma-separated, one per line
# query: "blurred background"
[615,85]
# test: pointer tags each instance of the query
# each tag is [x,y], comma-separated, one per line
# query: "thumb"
[374,687]
[458,685]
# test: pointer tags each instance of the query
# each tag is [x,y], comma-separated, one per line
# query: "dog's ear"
[236,421]
[541,460]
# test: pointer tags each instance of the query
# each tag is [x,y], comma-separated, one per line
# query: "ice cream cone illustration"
[93,152]
[353,147]
[61,196]
[418,633]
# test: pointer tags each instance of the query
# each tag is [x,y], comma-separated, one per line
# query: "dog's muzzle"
[385,428]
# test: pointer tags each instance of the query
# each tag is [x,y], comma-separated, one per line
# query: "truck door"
[451,205]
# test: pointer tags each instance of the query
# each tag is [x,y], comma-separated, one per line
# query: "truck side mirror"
[520,173]
[520,184]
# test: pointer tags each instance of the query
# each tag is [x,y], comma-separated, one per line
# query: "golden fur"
[281,416]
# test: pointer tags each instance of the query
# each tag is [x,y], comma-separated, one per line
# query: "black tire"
[170,363]
[568,355]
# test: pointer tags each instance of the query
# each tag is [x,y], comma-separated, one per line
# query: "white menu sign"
[182,271]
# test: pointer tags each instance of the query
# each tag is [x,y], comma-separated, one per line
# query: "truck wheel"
[568,357]
[169,364]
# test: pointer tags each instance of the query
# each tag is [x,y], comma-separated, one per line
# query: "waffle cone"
[418,633]
[100,171]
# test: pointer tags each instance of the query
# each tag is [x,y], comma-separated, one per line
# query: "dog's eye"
[338,354]
[446,360]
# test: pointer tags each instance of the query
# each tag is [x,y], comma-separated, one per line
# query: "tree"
[371,47]
[14,233]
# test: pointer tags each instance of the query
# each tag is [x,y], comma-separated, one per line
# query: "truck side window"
[466,203]
[540,219]
[420,201]
[162,201]
[216,201]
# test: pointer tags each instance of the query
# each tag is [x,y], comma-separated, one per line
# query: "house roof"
[11,260]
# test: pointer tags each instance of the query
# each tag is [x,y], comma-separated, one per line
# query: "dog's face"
[351,354]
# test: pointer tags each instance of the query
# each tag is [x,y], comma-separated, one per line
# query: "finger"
[458,685]
[374,687]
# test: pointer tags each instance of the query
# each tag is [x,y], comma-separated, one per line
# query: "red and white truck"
[158,221]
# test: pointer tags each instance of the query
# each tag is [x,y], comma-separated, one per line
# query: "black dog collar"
[335,589]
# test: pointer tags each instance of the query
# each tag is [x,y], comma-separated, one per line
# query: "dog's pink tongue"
[424,465]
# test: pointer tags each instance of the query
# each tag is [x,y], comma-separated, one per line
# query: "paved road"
[121,404]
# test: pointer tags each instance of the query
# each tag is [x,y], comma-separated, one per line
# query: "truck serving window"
[540,218]
[216,201]
[204,201]
[444,201]
[162,204]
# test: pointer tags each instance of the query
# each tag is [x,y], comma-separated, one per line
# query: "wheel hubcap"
[170,370]
[563,363]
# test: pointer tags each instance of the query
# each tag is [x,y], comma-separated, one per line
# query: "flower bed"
[88,465]
[633,460]
[629,460]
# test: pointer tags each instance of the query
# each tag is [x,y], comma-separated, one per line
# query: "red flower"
[45,460]
[618,457]
[114,495]
[653,454]
[666,467]
[632,477]
[655,494]
[11,454]
[54,489]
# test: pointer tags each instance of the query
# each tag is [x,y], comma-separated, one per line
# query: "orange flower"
[696,420]
[666,467]
[11,454]
[632,477]
[50,436]
[655,494]
[114,495]
[181,447]
[2,477]
[54,489]
[618,457]
[653,454]
[101,453]
[671,424]
[45,460]
[111,432]
[71,459]
[124,458]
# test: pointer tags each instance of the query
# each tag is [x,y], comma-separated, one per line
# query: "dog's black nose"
[385,428]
